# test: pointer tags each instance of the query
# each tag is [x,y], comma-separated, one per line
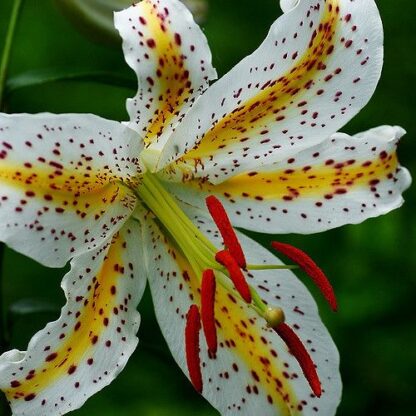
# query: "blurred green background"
[371,265]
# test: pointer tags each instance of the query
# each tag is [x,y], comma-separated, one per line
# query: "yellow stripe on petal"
[317,67]
[319,182]
[171,58]
[63,210]
[53,182]
[343,180]
[77,344]
[244,335]
[61,178]
[172,84]
[76,356]
[82,193]
[276,97]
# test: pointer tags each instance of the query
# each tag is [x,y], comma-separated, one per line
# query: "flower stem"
[4,67]
[5,59]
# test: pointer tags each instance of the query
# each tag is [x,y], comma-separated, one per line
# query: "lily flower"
[157,201]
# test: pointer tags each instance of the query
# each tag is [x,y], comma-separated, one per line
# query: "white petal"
[343,180]
[288,5]
[317,68]
[60,176]
[253,372]
[172,60]
[87,347]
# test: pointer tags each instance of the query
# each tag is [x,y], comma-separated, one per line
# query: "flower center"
[199,251]
[226,267]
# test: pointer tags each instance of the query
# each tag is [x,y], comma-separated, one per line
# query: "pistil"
[274,317]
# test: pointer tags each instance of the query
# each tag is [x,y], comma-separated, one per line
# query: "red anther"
[219,215]
[208,287]
[193,360]
[225,258]
[299,351]
[311,269]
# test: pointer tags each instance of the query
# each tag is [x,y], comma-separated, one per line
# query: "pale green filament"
[185,233]
[271,267]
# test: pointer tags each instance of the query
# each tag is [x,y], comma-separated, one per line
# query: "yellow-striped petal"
[253,372]
[318,66]
[60,183]
[85,349]
[172,60]
[343,180]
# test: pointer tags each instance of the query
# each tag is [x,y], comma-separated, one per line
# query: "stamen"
[225,258]
[208,287]
[193,360]
[220,217]
[311,269]
[299,351]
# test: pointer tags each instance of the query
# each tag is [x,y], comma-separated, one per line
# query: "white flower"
[127,205]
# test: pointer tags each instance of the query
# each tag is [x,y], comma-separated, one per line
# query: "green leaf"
[50,75]
[26,316]
[29,306]
[94,18]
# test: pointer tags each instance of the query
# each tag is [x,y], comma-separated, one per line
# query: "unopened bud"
[94,18]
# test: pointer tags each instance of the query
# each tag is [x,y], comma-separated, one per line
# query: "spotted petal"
[317,68]
[60,176]
[343,180]
[172,60]
[85,349]
[253,372]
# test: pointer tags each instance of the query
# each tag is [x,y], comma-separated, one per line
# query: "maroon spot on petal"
[178,39]
[51,357]
[151,43]
[30,397]
[72,369]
